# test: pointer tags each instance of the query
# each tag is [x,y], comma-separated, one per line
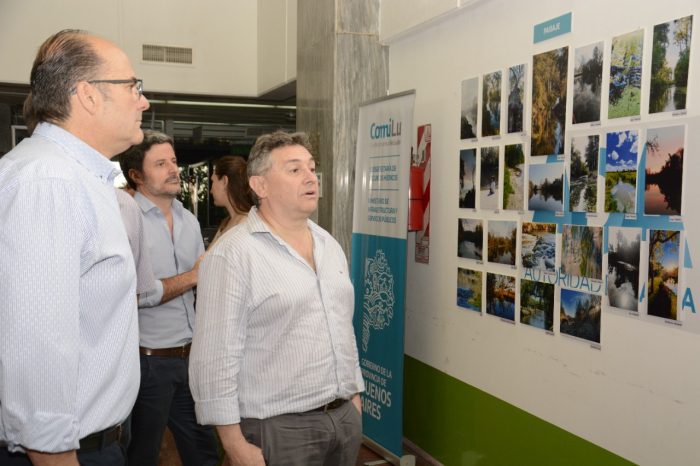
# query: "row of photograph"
[668,86]
[581,255]
[579,312]
[503,185]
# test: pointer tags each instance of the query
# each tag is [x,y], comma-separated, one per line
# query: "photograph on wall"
[621,172]
[623,267]
[580,315]
[663,187]
[500,296]
[546,187]
[470,238]
[625,92]
[582,251]
[670,60]
[549,71]
[664,259]
[502,241]
[516,98]
[467,179]
[491,104]
[539,246]
[470,99]
[537,304]
[583,169]
[513,177]
[488,197]
[469,289]
[588,79]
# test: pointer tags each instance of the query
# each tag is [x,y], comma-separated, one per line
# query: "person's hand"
[245,454]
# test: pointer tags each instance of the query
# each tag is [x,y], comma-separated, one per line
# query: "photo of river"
[621,172]
[669,65]
[588,78]
[583,185]
[469,288]
[470,103]
[539,246]
[537,304]
[580,315]
[470,238]
[663,188]
[546,187]
[500,296]
[582,251]
[467,179]
[624,96]
[491,104]
[662,280]
[550,70]
[502,241]
[488,196]
[623,267]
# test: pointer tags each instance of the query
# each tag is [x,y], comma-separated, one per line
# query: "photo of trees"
[583,184]
[539,246]
[516,98]
[623,267]
[624,95]
[488,198]
[549,101]
[664,258]
[513,178]
[582,251]
[469,289]
[670,60]
[588,78]
[580,315]
[502,241]
[470,98]
[491,104]
[467,179]
[663,187]
[546,187]
[470,238]
[537,304]
[621,172]
[500,296]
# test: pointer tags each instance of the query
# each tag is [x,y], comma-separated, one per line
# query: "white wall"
[639,396]
[277,43]
[224,36]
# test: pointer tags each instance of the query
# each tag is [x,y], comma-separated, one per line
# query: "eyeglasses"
[138,82]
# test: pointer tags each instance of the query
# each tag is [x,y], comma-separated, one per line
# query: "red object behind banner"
[415,200]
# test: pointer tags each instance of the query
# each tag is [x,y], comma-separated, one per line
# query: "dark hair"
[63,60]
[260,159]
[134,155]
[234,168]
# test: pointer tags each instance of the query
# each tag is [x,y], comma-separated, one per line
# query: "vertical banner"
[380,227]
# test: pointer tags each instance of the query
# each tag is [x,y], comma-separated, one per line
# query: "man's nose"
[143,103]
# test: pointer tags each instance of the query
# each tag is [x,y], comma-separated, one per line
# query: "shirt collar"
[86,156]
[257,225]
[146,204]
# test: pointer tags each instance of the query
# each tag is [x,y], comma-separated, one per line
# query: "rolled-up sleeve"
[218,341]
[152,297]
[43,237]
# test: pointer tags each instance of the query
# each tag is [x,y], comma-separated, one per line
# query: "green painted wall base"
[458,424]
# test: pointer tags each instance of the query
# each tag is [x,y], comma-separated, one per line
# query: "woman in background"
[230,189]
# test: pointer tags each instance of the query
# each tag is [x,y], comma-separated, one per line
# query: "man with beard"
[166,314]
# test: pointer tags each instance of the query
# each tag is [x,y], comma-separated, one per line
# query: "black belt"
[177,352]
[332,406]
[100,440]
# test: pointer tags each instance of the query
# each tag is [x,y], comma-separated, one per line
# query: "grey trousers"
[308,439]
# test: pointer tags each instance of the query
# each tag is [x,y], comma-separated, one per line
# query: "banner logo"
[379,296]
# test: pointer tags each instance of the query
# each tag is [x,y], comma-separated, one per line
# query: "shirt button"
[328,311]
[336,346]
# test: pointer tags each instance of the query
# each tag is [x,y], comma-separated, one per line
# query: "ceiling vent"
[166,54]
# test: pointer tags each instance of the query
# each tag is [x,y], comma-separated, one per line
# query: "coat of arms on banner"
[379,296]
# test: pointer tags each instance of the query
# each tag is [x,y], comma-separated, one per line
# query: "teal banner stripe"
[553,28]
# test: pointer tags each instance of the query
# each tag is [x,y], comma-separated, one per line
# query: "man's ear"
[136,176]
[258,185]
[87,97]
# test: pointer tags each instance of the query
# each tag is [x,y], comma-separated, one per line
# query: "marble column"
[340,64]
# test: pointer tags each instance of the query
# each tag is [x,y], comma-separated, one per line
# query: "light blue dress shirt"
[272,335]
[69,362]
[169,324]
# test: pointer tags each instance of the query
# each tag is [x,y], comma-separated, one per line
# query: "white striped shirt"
[271,336]
[69,362]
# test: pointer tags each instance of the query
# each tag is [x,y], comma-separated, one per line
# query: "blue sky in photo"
[622,151]
[569,298]
[550,171]
[670,260]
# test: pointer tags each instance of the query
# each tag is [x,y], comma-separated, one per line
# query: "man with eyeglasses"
[69,367]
